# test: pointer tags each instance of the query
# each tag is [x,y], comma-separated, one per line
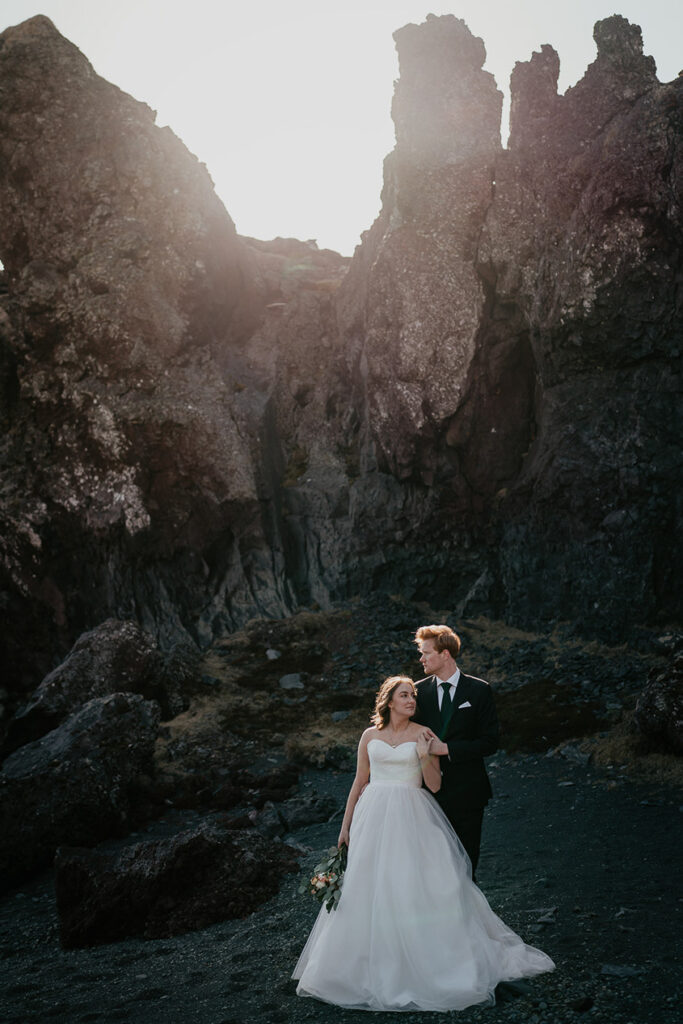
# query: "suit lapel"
[431,712]
[462,692]
[431,705]
[441,727]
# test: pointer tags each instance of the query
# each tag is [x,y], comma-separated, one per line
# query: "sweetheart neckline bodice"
[375,739]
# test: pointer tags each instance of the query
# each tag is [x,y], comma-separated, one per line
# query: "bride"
[411,931]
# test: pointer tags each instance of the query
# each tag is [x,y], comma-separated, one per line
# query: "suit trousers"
[467,825]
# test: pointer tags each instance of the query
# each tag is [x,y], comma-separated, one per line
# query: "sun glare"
[289,104]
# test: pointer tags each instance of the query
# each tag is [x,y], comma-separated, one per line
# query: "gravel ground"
[580,861]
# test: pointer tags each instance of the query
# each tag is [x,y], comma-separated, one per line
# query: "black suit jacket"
[472,733]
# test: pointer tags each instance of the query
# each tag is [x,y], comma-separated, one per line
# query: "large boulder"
[75,785]
[114,657]
[164,887]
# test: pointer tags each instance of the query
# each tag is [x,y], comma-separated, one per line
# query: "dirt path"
[591,852]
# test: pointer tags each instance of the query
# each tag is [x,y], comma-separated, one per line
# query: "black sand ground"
[583,862]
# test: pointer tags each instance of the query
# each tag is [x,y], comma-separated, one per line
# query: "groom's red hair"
[443,636]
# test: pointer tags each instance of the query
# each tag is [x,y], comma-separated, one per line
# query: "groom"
[460,710]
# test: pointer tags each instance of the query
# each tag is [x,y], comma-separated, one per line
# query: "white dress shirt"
[452,681]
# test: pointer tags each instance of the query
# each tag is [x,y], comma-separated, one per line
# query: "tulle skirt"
[411,931]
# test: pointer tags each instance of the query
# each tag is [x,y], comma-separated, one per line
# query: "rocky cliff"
[481,406]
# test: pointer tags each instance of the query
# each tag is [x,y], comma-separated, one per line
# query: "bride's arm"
[359,784]
[431,770]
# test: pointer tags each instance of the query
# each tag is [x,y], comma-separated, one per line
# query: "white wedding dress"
[411,930]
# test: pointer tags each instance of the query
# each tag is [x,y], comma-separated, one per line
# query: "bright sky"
[288,101]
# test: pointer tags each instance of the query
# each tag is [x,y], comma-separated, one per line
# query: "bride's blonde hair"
[382,713]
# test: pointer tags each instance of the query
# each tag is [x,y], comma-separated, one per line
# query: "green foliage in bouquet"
[326,883]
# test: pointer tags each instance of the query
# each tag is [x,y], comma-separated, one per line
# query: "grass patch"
[622,746]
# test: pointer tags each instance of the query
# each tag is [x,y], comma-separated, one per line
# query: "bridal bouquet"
[326,883]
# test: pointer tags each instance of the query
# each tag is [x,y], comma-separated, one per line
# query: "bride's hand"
[343,837]
[424,741]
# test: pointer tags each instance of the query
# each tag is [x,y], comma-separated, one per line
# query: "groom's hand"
[438,747]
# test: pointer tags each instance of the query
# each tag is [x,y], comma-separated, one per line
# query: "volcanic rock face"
[530,383]
[481,408]
[126,459]
[589,251]
[423,297]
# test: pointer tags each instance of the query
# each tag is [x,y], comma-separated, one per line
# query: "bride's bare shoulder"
[369,734]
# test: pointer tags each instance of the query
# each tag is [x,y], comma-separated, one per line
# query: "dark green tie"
[446,703]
